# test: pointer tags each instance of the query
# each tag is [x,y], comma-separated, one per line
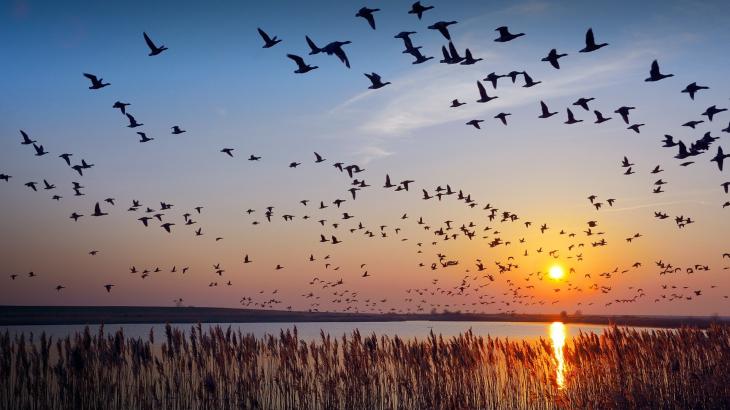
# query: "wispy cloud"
[420,100]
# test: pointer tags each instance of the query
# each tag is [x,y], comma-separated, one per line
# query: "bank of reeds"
[220,369]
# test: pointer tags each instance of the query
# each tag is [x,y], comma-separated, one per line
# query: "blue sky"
[219,84]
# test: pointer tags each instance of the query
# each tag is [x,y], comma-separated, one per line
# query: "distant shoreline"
[80,315]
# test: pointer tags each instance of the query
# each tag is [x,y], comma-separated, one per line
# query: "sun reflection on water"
[557,335]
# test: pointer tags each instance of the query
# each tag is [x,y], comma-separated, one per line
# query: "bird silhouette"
[176,130]
[132,121]
[228,151]
[154,50]
[268,41]
[571,118]
[553,57]
[375,81]
[96,83]
[367,14]
[719,158]
[475,123]
[505,35]
[121,106]
[624,113]
[26,139]
[97,211]
[419,9]
[483,94]
[442,27]
[692,89]
[711,111]
[591,43]
[654,74]
[545,112]
[302,67]
[143,137]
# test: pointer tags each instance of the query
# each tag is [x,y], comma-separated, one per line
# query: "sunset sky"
[218,83]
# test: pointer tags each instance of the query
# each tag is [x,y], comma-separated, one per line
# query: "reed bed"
[222,369]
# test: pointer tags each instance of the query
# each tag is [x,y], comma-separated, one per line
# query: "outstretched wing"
[149,42]
[265,36]
[340,53]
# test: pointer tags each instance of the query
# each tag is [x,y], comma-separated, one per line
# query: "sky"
[219,84]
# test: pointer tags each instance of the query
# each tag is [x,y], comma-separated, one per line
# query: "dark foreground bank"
[66,315]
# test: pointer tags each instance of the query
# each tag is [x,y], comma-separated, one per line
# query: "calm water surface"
[311,330]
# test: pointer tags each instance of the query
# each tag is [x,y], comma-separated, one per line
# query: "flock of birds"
[336,222]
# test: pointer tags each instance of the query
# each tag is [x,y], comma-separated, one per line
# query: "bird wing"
[97,208]
[297,59]
[654,69]
[340,53]
[91,77]
[482,91]
[590,41]
[265,36]
[149,42]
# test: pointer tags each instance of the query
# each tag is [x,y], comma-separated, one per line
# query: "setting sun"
[556,272]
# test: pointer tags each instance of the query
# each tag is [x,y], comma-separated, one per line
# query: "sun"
[556,272]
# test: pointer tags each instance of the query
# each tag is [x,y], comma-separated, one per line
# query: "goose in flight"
[367,14]
[96,83]
[143,137]
[108,287]
[228,151]
[719,158]
[418,9]
[505,35]
[318,158]
[475,123]
[26,139]
[655,75]
[154,50]
[711,111]
[268,41]
[545,111]
[442,27]
[97,211]
[132,121]
[624,112]
[553,57]
[67,158]
[591,43]
[376,81]
[176,130]
[571,118]
[39,151]
[692,89]
[302,67]
[166,226]
[121,106]
[483,94]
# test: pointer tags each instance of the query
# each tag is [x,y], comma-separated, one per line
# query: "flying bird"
[154,50]
[591,43]
[553,57]
[367,14]
[419,9]
[505,35]
[96,83]
[121,106]
[654,74]
[545,111]
[268,41]
[442,27]
[302,67]
[376,81]
[692,89]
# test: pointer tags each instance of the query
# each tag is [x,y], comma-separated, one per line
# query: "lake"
[311,330]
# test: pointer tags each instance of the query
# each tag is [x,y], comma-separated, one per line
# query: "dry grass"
[219,369]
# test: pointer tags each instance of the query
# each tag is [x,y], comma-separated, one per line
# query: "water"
[311,330]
